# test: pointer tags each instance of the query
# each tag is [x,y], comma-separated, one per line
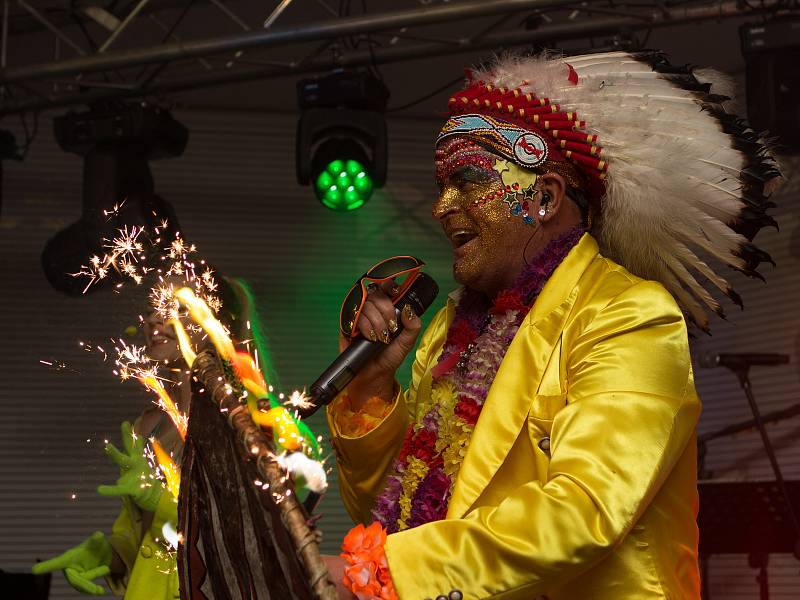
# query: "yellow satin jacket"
[580,479]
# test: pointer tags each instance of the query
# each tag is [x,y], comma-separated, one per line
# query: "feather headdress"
[669,173]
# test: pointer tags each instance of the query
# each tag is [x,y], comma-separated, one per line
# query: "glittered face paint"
[519,189]
[475,208]
[457,153]
[461,161]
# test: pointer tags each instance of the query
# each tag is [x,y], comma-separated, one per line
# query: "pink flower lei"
[418,489]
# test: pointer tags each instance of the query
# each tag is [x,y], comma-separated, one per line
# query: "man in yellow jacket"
[545,447]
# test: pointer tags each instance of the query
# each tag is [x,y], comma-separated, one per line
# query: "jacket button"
[544,444]
[455,595]
[441,597]
[146,551]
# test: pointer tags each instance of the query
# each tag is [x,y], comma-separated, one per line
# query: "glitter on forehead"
[455,152]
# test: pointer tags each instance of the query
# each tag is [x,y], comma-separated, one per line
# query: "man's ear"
[553,191]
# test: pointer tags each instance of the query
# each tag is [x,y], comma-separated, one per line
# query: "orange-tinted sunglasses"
[385,270]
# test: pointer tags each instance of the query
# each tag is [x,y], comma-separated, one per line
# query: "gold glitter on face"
[488,242]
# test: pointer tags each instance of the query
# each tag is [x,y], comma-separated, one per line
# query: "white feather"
[673,181]
[310,470]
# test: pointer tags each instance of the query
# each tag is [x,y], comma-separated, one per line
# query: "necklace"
[419,487]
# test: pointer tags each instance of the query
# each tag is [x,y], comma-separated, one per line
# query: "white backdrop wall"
[235,195]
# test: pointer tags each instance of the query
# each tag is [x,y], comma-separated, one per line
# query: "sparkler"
[299,400]
[124,253]
[167,405]
[195,295]
[133,362]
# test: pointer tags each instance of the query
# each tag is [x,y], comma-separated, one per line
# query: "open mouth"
[159,337]
[461,237]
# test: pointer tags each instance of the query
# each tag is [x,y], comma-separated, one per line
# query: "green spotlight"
[341,137]
[343,185]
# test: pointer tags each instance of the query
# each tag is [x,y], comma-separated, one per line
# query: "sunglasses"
[398,266]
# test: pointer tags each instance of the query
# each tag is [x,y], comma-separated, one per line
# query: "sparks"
[299,400]
[166,404]
[114,212]
[123,252]
[168,468]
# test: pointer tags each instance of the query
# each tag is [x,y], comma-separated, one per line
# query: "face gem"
[454,154]
[519,187]
[529,192]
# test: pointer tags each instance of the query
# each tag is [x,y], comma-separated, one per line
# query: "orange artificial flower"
[367,574]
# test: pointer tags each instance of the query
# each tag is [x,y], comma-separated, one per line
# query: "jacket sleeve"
[631,412]
[364,460]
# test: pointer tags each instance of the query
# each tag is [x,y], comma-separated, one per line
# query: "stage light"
[340,175]
[341,138]
[771,51]
[116,143]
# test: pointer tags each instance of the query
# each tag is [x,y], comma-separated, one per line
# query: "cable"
[375,70]
[159,68]
[29,135]
[426,96]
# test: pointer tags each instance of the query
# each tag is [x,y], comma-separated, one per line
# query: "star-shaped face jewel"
[529,192]
[500,165]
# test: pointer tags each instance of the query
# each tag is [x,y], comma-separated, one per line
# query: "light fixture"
[341,138]
[116,143]
[771,50]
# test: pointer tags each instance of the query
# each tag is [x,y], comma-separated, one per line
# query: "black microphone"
[419,296]
[739,362]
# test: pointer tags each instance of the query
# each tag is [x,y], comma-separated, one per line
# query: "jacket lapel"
[508,401]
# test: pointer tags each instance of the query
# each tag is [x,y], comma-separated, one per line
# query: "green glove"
[88,560]
[136,479]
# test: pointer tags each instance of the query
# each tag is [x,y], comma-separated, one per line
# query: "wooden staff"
[258,448]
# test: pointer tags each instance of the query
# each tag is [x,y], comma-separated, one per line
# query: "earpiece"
[543,205]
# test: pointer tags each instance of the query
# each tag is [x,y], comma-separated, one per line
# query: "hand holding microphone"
[396,332]
[381,318]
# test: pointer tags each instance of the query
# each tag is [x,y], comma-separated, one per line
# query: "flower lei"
[418,491]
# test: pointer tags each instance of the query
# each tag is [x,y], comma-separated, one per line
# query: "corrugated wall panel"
[769,323]
[236,197]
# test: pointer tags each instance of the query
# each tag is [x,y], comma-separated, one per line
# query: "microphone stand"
[702,440]
[760,560]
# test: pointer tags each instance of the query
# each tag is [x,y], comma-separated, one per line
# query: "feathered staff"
[240,540]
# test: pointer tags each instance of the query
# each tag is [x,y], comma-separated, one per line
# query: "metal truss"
[103,50]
